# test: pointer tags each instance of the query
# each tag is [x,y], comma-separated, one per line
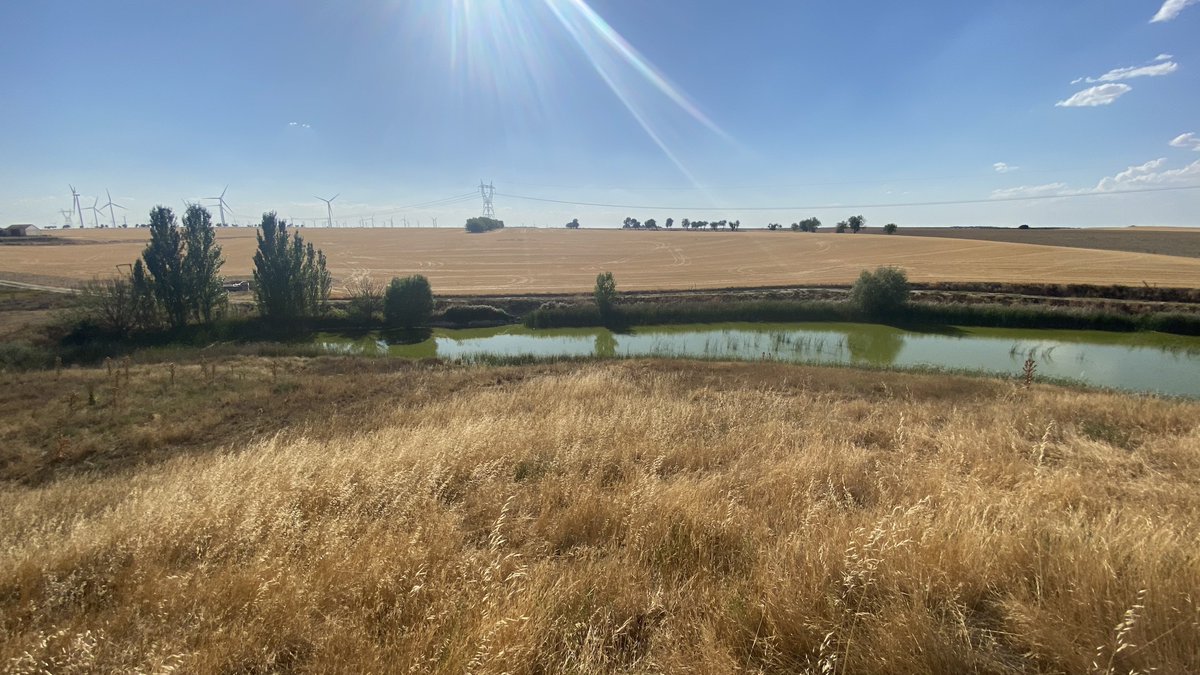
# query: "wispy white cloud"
[1187,141]
[1031,191]
[301,125]
[1156,70]
[1171,9]
[1103,94]
[1001,167]
[1149,174]
[1163,57]
[1077,80]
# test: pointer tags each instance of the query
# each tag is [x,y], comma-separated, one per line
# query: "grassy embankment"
[995,316]
[353,515]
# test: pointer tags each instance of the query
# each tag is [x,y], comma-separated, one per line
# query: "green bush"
[24,356]
[482,224]
[408,302]
[881,293]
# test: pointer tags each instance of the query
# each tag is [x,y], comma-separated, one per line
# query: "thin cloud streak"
[1171,9]
[1091,97]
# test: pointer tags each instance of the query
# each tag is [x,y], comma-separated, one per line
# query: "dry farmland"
[560,260]
[1176,241]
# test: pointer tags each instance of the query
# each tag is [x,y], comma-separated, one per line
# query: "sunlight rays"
[508,48]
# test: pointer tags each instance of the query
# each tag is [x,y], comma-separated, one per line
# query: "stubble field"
[553,261]
[1176,241]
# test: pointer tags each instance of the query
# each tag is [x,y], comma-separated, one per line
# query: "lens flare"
[585,25]
[507,48]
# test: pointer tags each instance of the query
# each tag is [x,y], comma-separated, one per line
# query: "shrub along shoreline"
[911,314]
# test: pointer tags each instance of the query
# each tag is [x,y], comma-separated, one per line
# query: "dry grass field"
[560,260]
[637,516]
[1163,241]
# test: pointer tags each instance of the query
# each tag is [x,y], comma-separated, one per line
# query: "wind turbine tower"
[329,208]
[78,208]
[111,214]
[222,205]
[95,213]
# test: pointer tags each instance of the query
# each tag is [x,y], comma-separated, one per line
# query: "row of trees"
[178,281]
[852,224]
[652,224]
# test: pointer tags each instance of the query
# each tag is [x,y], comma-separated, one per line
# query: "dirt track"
[520,261]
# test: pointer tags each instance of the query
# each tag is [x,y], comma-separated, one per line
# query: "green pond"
[1145,362]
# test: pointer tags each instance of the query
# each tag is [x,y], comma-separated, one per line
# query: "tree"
[317,281]
[574,224]
[714,225]
[482,224]
[841,227]
[890,228]
[408,302]
[651,224]
[202,264]
[735,224]
[164,263]
[856,223]
[366,295]
[605,294]
[809,224]
[145,306]
[669,223]
[776,226]
[881,293]
[685,223]
[289,281]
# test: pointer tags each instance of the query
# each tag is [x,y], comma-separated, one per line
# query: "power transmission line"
[782,186]
[487,192]
[813,207]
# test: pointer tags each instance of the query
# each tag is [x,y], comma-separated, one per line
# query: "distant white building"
[23,230]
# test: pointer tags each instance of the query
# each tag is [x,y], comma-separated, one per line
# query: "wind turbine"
[329,208]
[78,209]
[111,214]
[222,205]
[95,213]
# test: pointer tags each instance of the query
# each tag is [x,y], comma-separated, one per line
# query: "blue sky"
[719,109]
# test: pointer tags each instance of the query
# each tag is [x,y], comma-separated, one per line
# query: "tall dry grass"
[637,517]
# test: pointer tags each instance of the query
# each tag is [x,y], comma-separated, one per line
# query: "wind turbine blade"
[118,206]
[335,196]
[224,191]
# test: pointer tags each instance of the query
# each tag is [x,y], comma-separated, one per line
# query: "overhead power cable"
[445,201]
[813,207]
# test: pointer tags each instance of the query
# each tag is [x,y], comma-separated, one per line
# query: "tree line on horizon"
[852,224]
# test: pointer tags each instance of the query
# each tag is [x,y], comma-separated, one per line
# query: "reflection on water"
[1151,362]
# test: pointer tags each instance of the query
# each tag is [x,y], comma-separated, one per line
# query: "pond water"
[1146,362]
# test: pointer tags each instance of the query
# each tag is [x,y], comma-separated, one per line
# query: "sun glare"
[508,48]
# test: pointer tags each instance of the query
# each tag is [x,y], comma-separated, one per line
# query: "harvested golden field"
[1165,240]
[639,516]
[560,260]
